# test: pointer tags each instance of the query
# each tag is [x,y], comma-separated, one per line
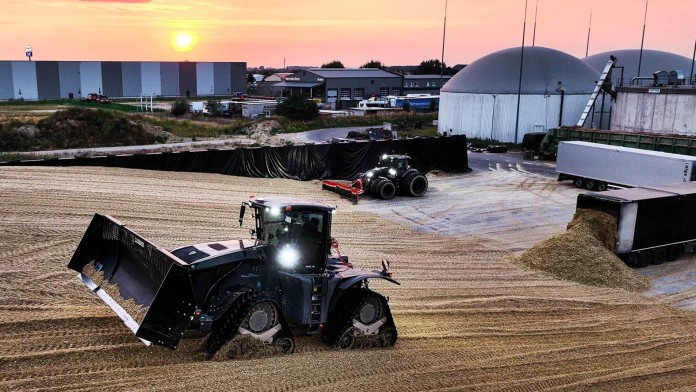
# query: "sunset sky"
[313,32]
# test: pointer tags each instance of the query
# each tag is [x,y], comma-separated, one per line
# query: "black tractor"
[393,175]
[281,282]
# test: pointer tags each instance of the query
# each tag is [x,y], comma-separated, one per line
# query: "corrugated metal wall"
[24,80]
[32,80]
[223,79]
[6,83]
[187,79]
[69,79]
[170,78]
[47,80]
[151,81]
[132,82]
[659,113]
[473,114]
[112,79]
[91,77]
[205,79]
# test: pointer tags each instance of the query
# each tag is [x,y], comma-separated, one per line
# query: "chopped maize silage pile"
[584,254]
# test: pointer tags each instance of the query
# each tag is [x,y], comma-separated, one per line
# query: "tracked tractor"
[392,175]
[283,281]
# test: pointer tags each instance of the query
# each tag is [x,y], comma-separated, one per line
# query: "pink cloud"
[117,1]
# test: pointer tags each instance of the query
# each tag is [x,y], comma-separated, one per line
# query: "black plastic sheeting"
[306,162]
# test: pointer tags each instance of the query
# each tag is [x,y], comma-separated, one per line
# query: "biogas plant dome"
[650,61]
[481,101]
[498,73]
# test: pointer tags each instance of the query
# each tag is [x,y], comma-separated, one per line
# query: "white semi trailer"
[598,166]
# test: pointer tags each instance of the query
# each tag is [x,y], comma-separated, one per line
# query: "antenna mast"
[442,61]
[589,27]
[519,86]
[642,38]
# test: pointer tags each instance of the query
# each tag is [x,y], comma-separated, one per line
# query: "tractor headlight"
[370,174]
[384,157]
[392,172]
[275,211]
[288,257]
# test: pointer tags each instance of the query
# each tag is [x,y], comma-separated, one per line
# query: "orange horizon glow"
[310,32]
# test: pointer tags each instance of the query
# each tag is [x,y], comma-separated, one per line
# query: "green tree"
[298,107]
[432,105]
[406,106]
[180,107]
[213,107]
[373,64]
[431,67]
[333,64]
[250,78]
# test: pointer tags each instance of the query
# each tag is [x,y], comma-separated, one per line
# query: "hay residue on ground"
[584,254]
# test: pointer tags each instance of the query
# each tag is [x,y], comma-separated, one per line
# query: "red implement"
[351,190]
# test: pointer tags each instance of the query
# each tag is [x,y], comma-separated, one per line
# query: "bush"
[180,107]
[213,107]
[298,107]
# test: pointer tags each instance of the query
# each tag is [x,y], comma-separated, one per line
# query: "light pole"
[493,114]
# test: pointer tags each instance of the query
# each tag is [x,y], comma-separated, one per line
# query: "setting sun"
[183,41]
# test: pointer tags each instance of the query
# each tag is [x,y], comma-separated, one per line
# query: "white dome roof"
[498,73]
[652,61]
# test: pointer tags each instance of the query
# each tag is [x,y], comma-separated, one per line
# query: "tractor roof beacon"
[393,175]
[282,281]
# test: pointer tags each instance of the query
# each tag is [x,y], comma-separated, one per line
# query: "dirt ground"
[469,317]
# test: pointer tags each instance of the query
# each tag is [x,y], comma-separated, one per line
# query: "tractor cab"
[399,163]
[296,232]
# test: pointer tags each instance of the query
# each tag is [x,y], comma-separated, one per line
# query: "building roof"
[297,84]
[427,77]
[277,77]
[652,61]
[499,72]
[353,73]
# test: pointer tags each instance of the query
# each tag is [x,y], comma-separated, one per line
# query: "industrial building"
[424,84]
[481,100]
[342,88]
[625,74]
[36,80]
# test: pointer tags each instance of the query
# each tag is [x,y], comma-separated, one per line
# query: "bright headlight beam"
[275,211]
[392,172]
[288,257]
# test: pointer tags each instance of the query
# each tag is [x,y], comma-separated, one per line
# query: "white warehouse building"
[480,101]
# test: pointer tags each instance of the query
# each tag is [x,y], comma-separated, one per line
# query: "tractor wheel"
[386,189]
[601,186]
[579,183]
[415,184]
[367,308]
[226,328]
[591,185]
[373,186]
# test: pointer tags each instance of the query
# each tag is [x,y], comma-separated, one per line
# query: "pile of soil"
[584,254]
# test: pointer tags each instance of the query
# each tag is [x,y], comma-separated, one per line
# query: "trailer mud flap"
[146,286]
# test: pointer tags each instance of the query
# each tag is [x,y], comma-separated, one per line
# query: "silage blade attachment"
[146,286]
[349,190]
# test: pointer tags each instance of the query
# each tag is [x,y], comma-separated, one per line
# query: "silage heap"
[584,254]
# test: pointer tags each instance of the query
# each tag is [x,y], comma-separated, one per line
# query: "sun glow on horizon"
[183,41]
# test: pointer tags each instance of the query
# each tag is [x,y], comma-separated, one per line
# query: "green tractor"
[393,175]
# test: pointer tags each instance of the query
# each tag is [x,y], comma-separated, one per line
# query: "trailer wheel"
[659,256]
[673,252]
[579,183]
[602,186]
[643,259]
[386,189]
[591,185]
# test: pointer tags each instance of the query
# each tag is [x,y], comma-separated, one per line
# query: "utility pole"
[642,38]
[536,8]
[589,27]
[519,86]
[442,61]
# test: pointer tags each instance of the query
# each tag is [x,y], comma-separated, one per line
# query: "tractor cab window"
[301,231]
[400,164]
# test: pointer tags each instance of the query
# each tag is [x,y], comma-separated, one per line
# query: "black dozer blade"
[145,285]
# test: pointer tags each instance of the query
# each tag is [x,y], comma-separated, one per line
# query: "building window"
[417,84]
[383,91]
[345,93]
[396,91]
[359,93]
